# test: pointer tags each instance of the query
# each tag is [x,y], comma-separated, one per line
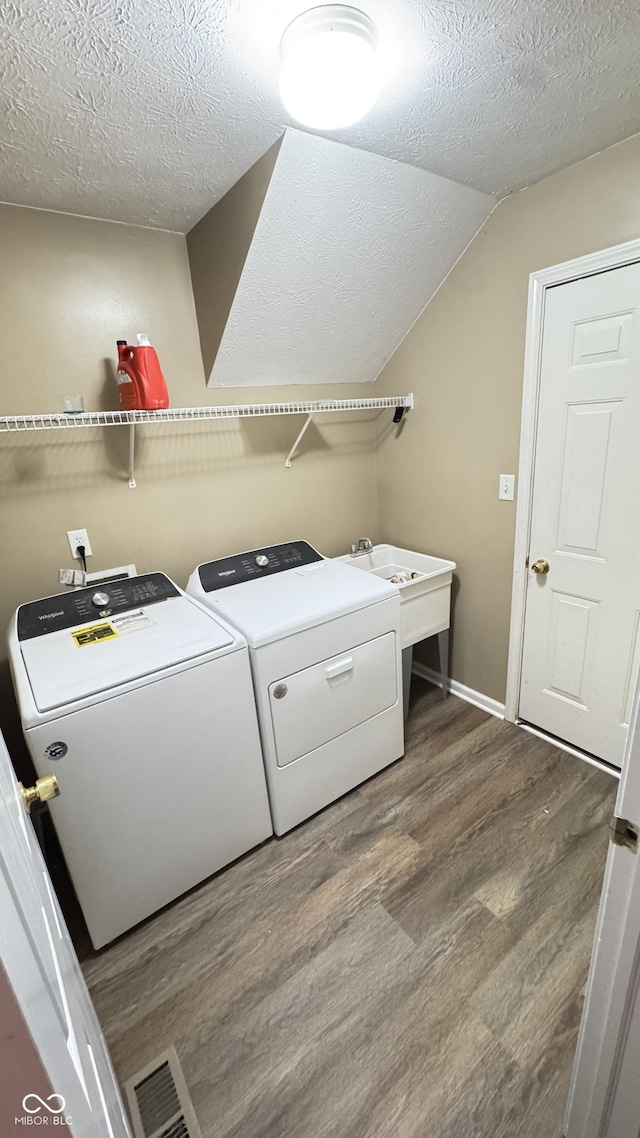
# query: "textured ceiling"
[149,110]
[348,249]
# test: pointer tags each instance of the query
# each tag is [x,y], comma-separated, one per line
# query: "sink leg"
[443,652]
[407,661]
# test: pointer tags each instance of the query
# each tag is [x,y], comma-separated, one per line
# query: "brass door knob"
[44,789]
[540,566]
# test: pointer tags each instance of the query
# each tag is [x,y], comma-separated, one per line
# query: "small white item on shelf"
[73,404]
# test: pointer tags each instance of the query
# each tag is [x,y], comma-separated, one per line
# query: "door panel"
[573,625]
[584,477]
[602,340]
[581,652]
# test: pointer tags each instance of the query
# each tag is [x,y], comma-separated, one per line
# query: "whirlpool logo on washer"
[39,1111]
[56,750]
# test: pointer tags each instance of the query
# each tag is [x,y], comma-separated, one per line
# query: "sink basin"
[425,599]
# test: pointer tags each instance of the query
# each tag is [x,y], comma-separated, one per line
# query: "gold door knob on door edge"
[44,789]
[540,566]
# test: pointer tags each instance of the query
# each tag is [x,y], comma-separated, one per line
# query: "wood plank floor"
[410,963]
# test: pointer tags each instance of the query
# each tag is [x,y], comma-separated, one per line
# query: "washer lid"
[272,607]
[72,663]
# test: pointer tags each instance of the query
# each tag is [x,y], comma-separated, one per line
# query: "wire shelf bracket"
[9,424]
[307,423]
[132,455]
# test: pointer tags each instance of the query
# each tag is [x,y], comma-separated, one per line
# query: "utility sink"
[425,598]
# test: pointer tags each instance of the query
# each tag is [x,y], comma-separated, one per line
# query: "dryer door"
[315,705]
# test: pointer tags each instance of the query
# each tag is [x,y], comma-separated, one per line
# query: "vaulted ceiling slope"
[149,112]
[347,250]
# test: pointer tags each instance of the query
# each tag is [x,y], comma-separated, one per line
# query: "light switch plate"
[507,487]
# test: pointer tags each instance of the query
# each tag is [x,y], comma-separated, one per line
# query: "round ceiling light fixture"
[330,75]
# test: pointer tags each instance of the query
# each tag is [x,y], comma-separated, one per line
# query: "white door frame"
[539,282]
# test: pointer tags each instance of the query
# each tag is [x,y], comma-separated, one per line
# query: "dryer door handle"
[339,667]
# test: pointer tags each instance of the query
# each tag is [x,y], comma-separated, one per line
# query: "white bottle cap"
[143,339]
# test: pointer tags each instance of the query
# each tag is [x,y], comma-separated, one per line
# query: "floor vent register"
[159,1102]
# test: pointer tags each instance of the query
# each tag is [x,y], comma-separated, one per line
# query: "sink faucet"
[364,545]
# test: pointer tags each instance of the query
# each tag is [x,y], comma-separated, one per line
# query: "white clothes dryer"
[141,703]
[324,642]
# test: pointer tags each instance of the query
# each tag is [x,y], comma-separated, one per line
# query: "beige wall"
[218,247]
[70,287]
[464,359]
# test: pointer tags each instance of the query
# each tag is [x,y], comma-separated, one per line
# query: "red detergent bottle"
[141,385]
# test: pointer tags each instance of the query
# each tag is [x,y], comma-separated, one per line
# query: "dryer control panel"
[66,610]
[255,564]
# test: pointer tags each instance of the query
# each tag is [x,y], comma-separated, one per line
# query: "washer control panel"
[37,618]
[255,564]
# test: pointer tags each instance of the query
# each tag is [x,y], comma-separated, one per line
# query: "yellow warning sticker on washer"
[94,634]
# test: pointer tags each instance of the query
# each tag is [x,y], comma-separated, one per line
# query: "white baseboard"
[477,698]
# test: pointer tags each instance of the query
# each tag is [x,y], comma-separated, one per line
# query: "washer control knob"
[100,600]
[262,560]
[280,690]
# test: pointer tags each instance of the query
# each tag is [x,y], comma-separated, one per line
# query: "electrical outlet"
[79,537]
[506,489]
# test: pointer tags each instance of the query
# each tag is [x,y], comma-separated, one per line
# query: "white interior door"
[42,968]
[605,1092]
[581,641]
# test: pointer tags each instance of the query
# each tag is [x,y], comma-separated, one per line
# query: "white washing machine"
[324,642]
[141,703]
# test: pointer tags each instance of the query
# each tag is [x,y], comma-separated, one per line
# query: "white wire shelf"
[64,422]
[132,419]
